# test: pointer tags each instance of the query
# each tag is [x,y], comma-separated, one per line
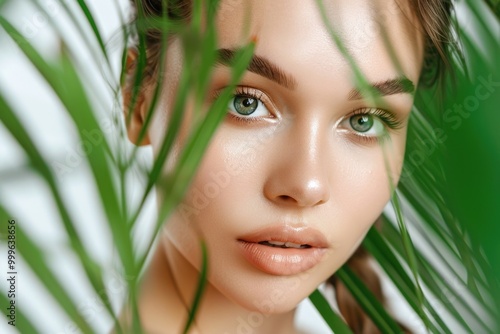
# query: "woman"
[302,165]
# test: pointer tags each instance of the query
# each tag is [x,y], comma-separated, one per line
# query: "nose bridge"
[300,175]
[305,138]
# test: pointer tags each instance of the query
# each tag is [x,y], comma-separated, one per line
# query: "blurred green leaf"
[336,324]
[93,25]
[202,282]
[21,323]
[32,255]
[376,245]
[368,301]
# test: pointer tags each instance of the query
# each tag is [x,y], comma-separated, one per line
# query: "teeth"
[283,244]
[292,245]
[277,243]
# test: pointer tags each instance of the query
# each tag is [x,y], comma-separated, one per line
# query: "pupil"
[361,123]
[247,102]
[245,105]
[362,120]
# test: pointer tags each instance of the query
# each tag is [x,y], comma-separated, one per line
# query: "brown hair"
[354,316]
[434,17]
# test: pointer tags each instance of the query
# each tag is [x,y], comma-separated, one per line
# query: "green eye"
[245,105]
[361,123]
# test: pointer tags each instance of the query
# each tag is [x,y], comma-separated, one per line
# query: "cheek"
[229,182]
[221,197]
[361,187]
[226,197]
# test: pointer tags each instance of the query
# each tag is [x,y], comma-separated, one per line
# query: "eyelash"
[251,93]
[388,118]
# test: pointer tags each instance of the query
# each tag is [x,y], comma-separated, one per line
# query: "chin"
[267,294]
[270,302]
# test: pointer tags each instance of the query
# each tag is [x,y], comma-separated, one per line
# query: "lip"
[283,261]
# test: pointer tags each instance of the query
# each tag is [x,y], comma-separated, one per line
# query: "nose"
[299,167]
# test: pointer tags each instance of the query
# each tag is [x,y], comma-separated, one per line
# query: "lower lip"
[281,261]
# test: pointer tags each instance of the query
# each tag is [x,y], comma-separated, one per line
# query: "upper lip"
[302,235]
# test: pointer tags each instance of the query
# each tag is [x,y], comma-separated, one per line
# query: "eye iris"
[361,123]
[245,105]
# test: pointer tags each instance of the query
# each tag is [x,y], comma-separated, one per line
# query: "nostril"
[286,198]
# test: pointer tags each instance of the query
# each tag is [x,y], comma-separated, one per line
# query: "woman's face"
[300,156]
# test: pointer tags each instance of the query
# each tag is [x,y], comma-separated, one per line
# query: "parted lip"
[302,235]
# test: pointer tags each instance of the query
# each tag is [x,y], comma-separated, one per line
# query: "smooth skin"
[306,152]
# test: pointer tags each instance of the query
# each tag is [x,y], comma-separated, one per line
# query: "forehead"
[380,35]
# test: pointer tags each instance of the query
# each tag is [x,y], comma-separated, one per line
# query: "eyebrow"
[388,87]
[261,66]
